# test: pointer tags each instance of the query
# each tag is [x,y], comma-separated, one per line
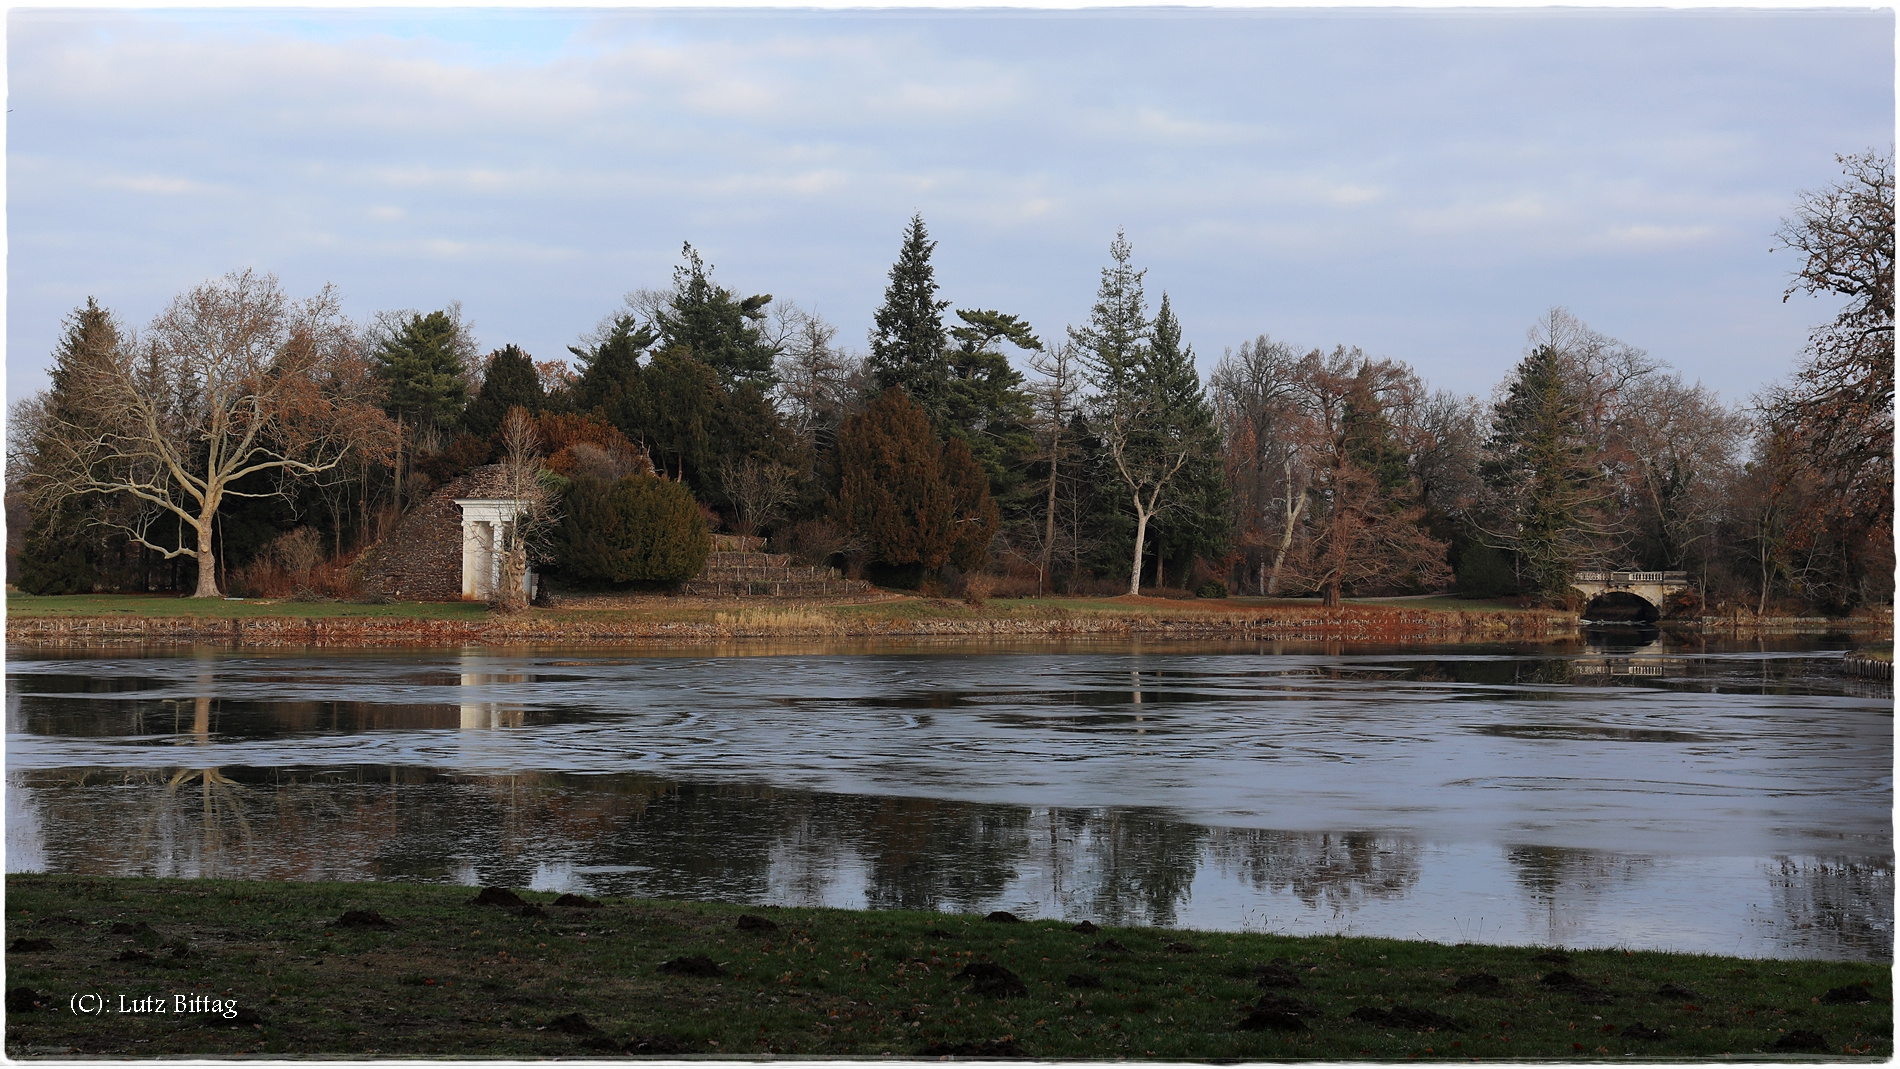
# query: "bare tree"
[230,382]
[524,477]
[759,489]
[814,375]
[1255,393]
[1682,443]
[1054,398]
[1832,423]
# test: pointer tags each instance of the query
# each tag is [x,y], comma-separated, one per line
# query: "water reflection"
[1699,796]
[634,835]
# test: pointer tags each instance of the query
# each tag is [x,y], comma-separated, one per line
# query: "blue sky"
[1420,184]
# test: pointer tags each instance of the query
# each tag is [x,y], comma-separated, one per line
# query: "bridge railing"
[1623,579]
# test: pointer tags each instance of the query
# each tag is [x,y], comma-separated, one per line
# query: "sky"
[1422,184]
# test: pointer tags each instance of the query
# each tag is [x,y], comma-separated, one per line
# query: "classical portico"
[485,523]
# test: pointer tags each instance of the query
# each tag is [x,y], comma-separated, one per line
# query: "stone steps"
[747,573]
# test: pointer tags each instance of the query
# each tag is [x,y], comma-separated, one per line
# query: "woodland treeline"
[249,442]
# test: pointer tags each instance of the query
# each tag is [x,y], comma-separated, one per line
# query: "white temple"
[484,521]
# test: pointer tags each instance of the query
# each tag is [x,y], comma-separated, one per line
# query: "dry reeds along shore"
[678,619]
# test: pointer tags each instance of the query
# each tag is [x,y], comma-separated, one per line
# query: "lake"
[1623,790]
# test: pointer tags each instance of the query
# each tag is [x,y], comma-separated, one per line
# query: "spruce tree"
[1194,525]
[1115,340]
[1540,468]
[63,548]
[908,339]
[510,382]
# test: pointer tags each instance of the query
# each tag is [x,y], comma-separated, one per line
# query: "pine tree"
[908,339]
[986,405]
[422,372]
[720,330]
[510,382]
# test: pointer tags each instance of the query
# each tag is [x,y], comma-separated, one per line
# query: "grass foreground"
[152,968]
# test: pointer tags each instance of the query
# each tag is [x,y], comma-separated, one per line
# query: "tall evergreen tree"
[721,330]
[510,382]
[985,403]
[908,338]
[1150,414]
[1540,470]
[1194,524]
[609,380]
[63,549]
[1114,342]
[422,373]
[917,502]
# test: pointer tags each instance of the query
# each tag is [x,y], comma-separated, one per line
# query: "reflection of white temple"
[485,520]
[485,715]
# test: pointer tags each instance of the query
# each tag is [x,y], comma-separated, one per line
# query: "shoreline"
[392,970]
[698,621]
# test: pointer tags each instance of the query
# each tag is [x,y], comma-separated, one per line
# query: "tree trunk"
[1286,542]
[1049,528]
[1141,537]
[1160,581]
[207,562]
[1332,595]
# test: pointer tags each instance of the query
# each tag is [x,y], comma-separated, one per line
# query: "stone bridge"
[1652,587]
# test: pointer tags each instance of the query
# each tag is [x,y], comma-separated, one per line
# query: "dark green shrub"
[1485,572]
[1213,588]
[642,528]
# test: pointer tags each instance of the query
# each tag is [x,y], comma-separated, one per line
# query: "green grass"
[108,605]
[461,980]
[1440,604]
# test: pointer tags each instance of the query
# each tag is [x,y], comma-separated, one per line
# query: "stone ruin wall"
[421,560]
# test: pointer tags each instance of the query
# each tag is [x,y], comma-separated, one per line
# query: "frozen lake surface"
[1709,798]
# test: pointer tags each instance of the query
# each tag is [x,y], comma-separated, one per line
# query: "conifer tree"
[917,501]
[640,529]
[422,372]
[609,381]
[1194,522]
[510,382]
[1539,468]
[908,338]
[719,329]
[61,549]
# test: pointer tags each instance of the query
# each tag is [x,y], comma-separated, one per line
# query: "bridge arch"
[1652,589]
[1622,606]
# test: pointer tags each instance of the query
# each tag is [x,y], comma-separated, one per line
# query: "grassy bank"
[448,976]
[97,619]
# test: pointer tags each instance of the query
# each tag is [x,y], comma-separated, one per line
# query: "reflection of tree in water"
[1834,907]
[1133,868]
[1339,870]
[1569,885]
[930,854]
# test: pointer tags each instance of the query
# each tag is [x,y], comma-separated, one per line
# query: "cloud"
[1271,167]
[161,185]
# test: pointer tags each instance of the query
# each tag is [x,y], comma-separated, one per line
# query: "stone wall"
[421,560]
